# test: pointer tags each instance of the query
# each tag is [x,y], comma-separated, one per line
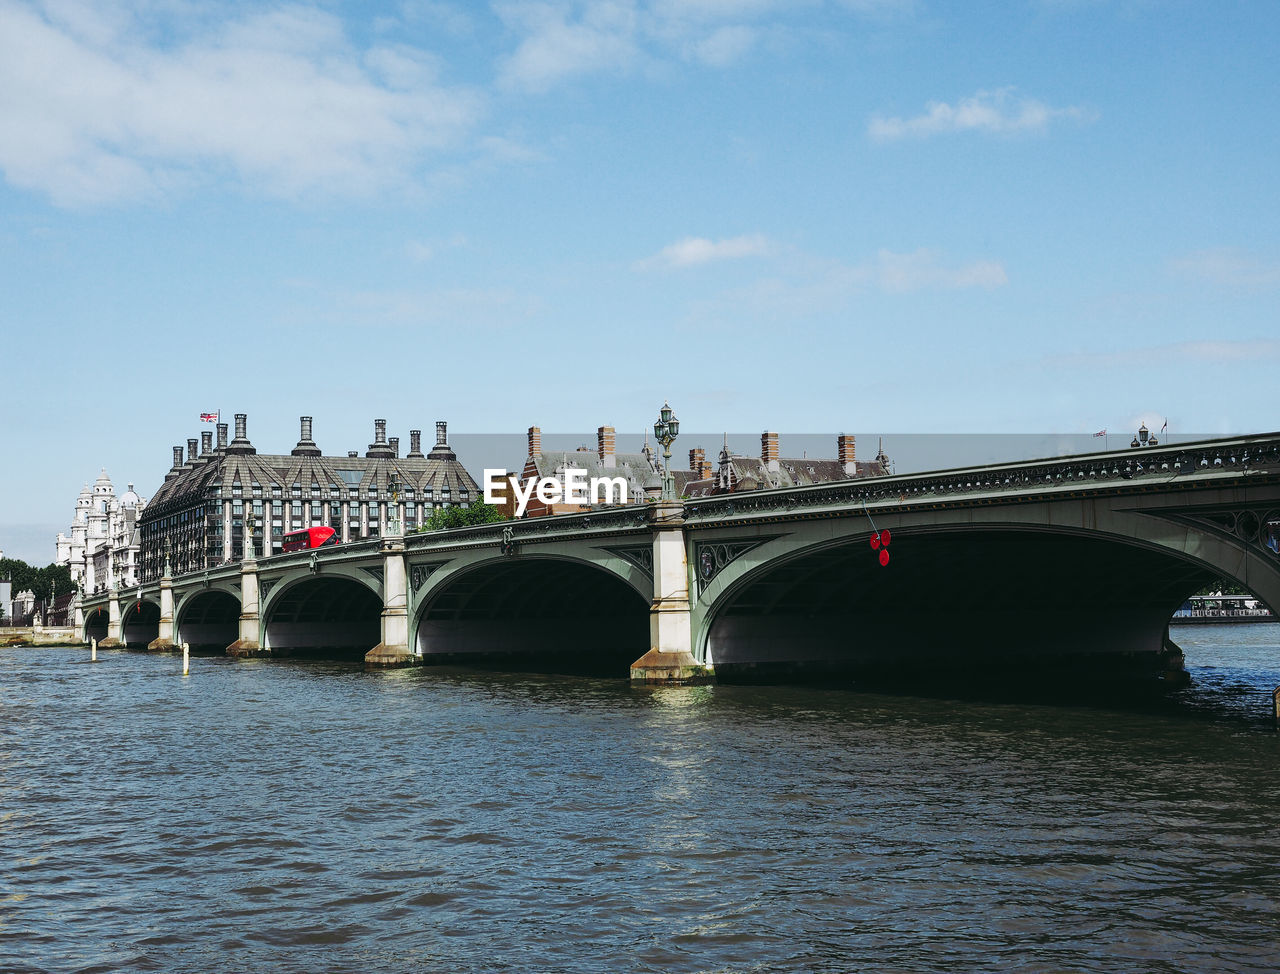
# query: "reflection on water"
[309,816]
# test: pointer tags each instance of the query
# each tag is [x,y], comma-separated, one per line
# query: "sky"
[810,216]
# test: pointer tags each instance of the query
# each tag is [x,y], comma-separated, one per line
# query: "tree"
[52,579]
[461,517]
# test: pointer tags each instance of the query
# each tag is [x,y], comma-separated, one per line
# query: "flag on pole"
[209,417]
[1165,426]
[1100,433]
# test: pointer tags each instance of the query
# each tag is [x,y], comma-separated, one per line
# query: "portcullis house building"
[197,517]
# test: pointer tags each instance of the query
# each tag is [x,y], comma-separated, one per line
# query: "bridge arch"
[139,623]
[538,612]
[1006,589]
[96,622]
[208,620]
[330,615]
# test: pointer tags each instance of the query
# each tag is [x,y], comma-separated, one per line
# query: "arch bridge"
[1068,565]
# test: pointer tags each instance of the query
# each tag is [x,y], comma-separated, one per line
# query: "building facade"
[102,549]
[225,493]
[642,471]
[736,472]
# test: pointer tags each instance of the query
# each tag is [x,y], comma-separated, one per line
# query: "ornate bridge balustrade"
[1065,565]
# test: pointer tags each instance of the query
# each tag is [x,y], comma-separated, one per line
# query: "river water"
[305,816]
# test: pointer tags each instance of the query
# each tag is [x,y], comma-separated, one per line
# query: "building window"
[257,490]
[275,490]
[297,490]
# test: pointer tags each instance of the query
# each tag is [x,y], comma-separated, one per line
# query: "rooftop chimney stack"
[241,443]
[699,463]
[379,447]
[605,440]
[192,445]
[845,454]
[222,437]
[306,445]
[415,444]
[353,453]
[206,443]
[395,445]
[441,450]
[175,469]
[535,441]
[769,450]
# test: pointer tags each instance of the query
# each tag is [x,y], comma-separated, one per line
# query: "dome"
[129,498]
[103,484]
[86,497]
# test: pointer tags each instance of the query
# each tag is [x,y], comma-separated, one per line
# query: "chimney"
[845,454]
[379,447]
[441,450]
[177,464]
[192,445]
[353,453]
[605,446]
[306,445]
[699,464]
[415,444]
[241,443]
[395,446]
[206,443]
[535,441]
[769,450]
[222,437]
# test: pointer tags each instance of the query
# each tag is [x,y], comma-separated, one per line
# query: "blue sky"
[809,216]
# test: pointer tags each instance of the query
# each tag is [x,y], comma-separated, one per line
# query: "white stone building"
[102,548]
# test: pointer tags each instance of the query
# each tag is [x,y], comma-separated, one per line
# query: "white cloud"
[557,45]
[1230,268]
[724,46]
[91,113]
[922,269]
[996,111]
[558,40]
[699,250]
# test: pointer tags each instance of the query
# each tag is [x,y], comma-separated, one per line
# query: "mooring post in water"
[93,651]
[186,658]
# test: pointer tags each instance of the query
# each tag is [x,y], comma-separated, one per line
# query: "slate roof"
[215,476]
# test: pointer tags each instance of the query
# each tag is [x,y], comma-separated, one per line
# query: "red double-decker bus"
[308,538]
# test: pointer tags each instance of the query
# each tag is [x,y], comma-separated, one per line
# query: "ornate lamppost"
[665,431]
[393,510]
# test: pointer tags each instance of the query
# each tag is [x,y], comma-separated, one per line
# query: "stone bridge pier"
[669,659]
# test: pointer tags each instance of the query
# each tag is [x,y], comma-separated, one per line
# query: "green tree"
[52,579]
[18,572]
[461,517]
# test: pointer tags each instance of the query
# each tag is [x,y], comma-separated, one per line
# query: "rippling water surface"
[278,816]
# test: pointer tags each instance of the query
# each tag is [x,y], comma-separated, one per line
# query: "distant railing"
[1115,469]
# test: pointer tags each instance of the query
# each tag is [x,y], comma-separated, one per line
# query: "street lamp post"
[665,431]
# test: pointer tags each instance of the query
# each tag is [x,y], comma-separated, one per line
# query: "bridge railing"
[609,520]
[1110,469]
